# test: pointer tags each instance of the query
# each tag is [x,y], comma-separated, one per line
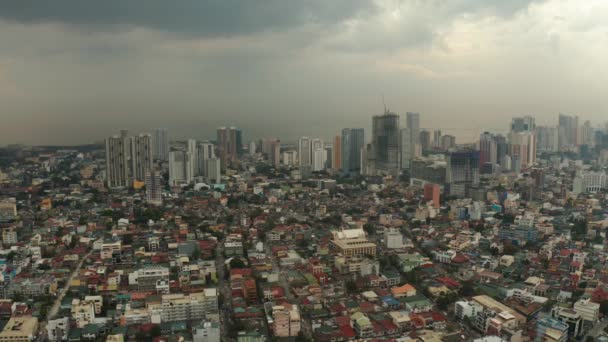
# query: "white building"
[304,151]
[83,312]
[393,238]
[58,329]
[318,155]
[588,310]
[207,332]
[161,144]
[590,181]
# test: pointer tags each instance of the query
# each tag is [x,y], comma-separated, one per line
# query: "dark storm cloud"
[200,18]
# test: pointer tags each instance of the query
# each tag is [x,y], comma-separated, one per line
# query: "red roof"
[342,320]
[347,331]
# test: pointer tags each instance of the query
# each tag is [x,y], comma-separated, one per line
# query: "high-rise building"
[522,149]
[587,134]
[206,151]
[487,149]
[437,138]
[318,154]
[385,141]
[161,144]
[337,154]
[523,124]
[567,131]
[117,161]
[192,169]
[142,157]
[229,144]
[502,149]
[290,158]
[547,139]
[462,171]
[425,140]
[353,140]
[304,151]
[153,187]
[271,149]
[405,151]
[214,171]
[448,141]
[252,148]
[177,168]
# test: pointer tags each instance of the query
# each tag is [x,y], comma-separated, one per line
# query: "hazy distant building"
[304,151]
[318,154]
[252,148]
[567,131]
[547,139]
[522,149]
[437,138]
[271,149]
[502,148]
[229,145]
[385,141]
[127,159]
[523,124]
[153,187]
[425,140]
[337,154]
[117,161]
[290,158]
[405,150]
[192,169]
[487,149]
[206,151]
[161,144]
[352,142]
[462,172]
[214,171]
[177,168]
[448,141]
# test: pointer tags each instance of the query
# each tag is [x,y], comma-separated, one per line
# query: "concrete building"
[351,143]
[522,149]
[214,171]
[83,312]
[551,330]
[336,164]
[304,151]
[149,278]
[588,310]
[9,236]
[187,307]
[386,144]
[161,144]
[353,243]
[462,171]
[207,332]
[8,209]
[393,238]
[178,165]
[448,142]
[523,124]
[58,329]
[20,329]
[547,139]
[567,131]
[286,320]
[589,182]
[317,154]
[118,151]
[153,187]
[229,145]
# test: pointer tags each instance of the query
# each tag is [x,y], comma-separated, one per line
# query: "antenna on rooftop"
[384,103]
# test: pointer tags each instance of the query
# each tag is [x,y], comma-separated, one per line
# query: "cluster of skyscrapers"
[391,150]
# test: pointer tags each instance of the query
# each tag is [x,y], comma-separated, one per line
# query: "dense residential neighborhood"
[256,249]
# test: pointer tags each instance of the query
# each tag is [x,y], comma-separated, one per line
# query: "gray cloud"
[200,18]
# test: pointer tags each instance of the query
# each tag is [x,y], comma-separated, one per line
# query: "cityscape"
[302,171]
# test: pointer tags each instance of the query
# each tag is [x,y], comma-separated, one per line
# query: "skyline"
[71,74]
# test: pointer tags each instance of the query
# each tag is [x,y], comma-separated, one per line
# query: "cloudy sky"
[74,71]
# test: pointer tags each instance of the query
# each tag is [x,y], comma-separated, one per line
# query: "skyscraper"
[206,151]
[141,156]
[567,131]
[127,159]
[448,141]
[547,139]
[405,151]
[337,153]
[271,148]
[177,168]
[318,154]
[304,151]
[192,169]
[352,141]
[425,140]
[437,138]
[487,149]
[523,124]
[214,171]
[117,161]
[385,141]
[522,148]
[229,145]
[161,144]
[462,171]
[153,187]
